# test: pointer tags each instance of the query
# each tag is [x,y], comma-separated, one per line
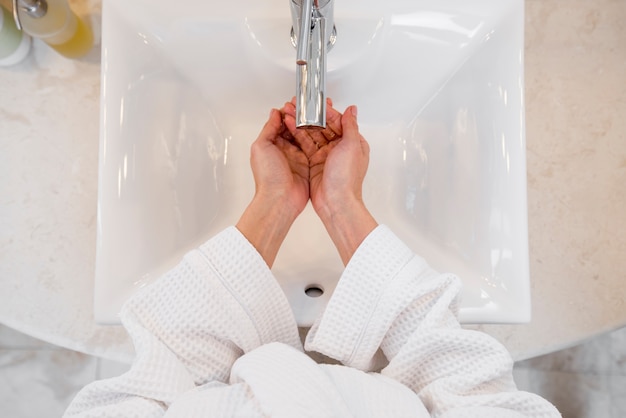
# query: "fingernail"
[354,111]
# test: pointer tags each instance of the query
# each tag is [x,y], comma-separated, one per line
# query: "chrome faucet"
[313,34]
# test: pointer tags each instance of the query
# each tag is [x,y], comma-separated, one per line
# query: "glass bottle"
[55,23]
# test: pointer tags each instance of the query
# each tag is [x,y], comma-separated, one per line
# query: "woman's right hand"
[336,173]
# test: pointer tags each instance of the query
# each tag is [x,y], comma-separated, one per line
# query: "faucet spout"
[312,45]
[303,49]
[311,81]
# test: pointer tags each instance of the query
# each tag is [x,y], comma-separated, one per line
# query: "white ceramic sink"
[439,85]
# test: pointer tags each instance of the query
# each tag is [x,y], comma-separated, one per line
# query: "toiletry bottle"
[55,23]
[14,44]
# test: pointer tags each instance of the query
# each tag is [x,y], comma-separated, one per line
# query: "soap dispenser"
[14,44]
[55,23]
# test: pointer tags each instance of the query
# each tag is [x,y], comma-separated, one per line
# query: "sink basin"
[439,85]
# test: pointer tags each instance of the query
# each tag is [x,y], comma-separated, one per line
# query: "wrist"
[328,204]
[348,223]
[280,205]
[265,224]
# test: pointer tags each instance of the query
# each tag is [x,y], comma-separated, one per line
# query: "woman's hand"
[280,168]
[281,177]
[338,160]
[318,145]
[337,175]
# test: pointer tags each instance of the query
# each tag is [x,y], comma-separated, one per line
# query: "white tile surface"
[576,395]
[41,383]
[618,396]
[38,379]
[585,381]
[593,356]
[618,353]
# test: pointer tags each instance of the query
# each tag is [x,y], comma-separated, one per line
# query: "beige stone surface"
[576,140]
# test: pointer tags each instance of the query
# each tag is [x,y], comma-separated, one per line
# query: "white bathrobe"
[215,337]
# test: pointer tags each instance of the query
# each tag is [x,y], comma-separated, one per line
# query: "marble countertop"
[576,136]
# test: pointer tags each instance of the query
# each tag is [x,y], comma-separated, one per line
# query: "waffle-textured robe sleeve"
[190,326]
[216,337]
[389,298]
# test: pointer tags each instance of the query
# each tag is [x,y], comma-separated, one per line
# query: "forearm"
[265,224]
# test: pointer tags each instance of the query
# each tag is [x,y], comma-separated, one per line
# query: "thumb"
[272,127]
[350,128]
[349,123]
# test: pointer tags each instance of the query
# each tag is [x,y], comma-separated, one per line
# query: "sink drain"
[314,291]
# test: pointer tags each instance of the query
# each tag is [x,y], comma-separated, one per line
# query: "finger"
[350,125]
[284,132]
[289,148]
[333,128]
[290,109]
[349,122]
[320,137]
[333,121]
[301,136]
[315,134]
